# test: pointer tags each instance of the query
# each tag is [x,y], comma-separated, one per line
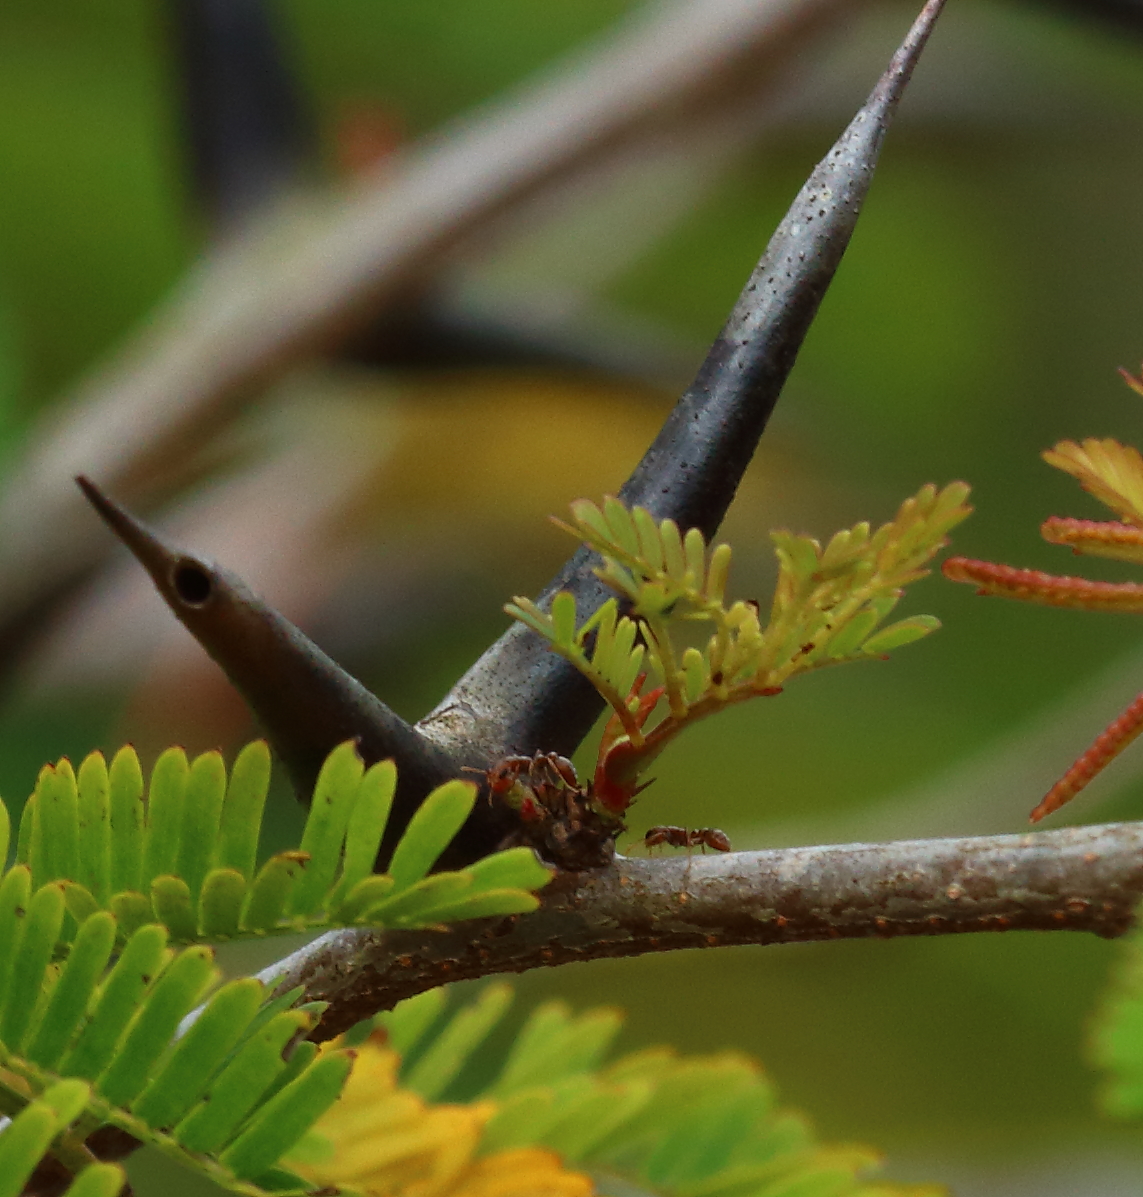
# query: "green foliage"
[181,852]
[92,997]
[650,1122]
[234,1085]
[49,1119]
[1117,1032]
[829,606]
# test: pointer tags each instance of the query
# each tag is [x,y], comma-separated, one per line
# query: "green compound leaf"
[115,1002]
[165,800]
[514,868]
[127,824]
[455,907]
[333,798]
[91,992]
[81,974]
[25,1141]
[553,1046]
[904,631]
[99,1180]
[35,943]
[238,1081]
[201,822]
[220,909]
[15,891]
[1117,1032]
[430,830]
[288,1115]
[242,809]
[94,812]
[651,1122]
[170,999]
[58,809]
[408,1022]
[450,1050]
[174,907]
[271,890]
[365,895]
[190,840]
[603,649]
[238,1088]
[199,1054]
[828,608]
[366,824]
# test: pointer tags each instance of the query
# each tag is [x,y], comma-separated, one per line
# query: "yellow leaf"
[1110,471]
[385,1141]
[526,1172]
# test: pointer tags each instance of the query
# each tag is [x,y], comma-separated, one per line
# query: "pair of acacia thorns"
[1113,473]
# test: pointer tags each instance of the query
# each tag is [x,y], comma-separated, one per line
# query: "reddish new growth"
[614,785]
[574,825]
[559,818]
[1114,474]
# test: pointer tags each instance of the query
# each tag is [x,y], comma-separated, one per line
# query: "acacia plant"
[465,846]
[1113,473]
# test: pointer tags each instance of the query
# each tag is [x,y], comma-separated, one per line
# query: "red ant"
[543,769]
[682,837]
[531,782]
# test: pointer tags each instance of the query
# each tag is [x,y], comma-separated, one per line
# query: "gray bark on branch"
[1074,879]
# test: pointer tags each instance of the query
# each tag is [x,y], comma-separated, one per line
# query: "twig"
[1075,879]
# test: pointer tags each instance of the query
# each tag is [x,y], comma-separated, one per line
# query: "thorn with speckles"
[519,698]
[305,701]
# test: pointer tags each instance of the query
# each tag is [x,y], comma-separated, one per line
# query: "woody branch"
[1074,879]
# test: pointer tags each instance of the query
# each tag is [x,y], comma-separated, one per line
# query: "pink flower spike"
[1108,745]
[1032,586]
[1135,382]
[1122,542]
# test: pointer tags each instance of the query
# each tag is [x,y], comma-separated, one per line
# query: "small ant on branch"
[682,837]
[527,780]
[559,819]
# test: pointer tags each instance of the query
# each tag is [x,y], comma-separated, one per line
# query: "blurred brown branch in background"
[292,287]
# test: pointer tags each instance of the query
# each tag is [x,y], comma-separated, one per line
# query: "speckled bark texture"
[1078,879]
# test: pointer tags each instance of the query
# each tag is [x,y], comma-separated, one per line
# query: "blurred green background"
[990,291]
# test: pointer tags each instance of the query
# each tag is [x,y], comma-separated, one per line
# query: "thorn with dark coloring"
[245,128]
[519,698]
[305,701]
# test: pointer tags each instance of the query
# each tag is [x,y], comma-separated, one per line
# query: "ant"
[533,781]
[682,837]
[543,769]
[557,817]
